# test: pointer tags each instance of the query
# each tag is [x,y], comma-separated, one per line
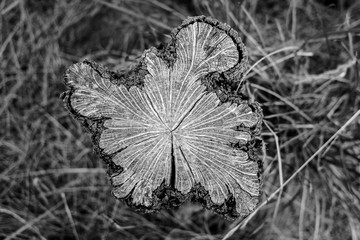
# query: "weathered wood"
[174,128]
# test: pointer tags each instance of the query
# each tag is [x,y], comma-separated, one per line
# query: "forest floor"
[304,72]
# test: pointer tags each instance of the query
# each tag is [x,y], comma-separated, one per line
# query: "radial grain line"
[193,55]
[187,114]
[205,39]
[187,163]
[152,106]
[211,51]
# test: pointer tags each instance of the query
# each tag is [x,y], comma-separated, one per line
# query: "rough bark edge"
[220,83]
[168,52]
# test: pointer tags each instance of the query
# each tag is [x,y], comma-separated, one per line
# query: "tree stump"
[174,128]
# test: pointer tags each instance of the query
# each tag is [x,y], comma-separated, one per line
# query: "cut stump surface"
[174,128]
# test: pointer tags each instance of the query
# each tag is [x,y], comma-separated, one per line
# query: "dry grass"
[53,187]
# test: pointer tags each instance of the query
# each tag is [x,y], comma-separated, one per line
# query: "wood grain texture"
[171,134]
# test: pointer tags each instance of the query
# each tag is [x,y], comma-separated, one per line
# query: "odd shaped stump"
[174,128]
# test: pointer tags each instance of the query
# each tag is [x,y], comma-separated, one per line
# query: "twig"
[68,212]
[32,222]
[248,218]
[289,48]
[281,177]
[135,15]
